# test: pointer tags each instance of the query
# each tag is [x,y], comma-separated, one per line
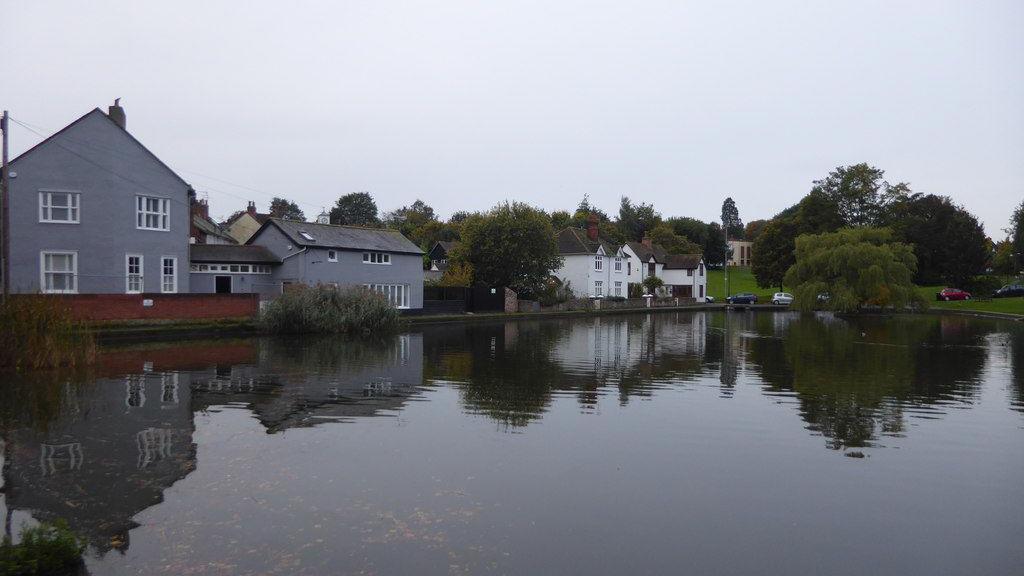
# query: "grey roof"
[645,253]
[343,237]
[575,241]
[682,261]
[231,254]
[207,226]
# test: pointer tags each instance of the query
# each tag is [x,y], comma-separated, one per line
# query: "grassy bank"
[985,304]
[741,279]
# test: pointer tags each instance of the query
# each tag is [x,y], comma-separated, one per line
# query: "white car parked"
[782,298]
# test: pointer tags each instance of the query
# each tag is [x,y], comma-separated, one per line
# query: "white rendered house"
[592,267]
[685,276]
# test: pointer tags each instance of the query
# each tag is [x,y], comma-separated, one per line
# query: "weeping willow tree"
[853,268]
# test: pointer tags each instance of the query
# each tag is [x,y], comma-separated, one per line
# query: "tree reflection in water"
[855,377]
[100,446]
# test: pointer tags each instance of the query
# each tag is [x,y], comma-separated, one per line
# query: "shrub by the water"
[39,332]
[49,549]
[326,309]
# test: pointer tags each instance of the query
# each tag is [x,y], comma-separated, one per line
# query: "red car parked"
[952,294]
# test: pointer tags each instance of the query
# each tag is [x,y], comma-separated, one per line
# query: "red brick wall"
[107,307]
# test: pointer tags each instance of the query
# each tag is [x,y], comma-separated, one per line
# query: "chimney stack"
[201,208]
[116,113]
[646,241]
[251,208]
[592,227]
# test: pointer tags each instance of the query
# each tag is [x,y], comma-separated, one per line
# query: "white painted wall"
[698,279]
[580,270]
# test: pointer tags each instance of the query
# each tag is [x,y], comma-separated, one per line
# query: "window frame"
[173,275]
[382,258]
[598,263]
[46,208]
[598,289]
[74,270]
[142,212]
[618,288]
[392,292]
[332,255]
[618,265]
[128,274]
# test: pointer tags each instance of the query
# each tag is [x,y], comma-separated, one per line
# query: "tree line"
[513,244]
[948,242]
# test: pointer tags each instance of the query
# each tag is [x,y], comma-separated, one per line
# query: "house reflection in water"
[98,448]
[108,452]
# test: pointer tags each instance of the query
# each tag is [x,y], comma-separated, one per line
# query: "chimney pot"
[116,113]
[251,209]
[592,227]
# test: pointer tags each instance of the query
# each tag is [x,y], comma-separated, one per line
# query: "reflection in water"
[99,448]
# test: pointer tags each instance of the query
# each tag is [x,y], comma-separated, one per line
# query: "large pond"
[668,443]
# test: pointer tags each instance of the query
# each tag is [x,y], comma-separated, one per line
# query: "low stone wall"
[115,307]
[511,301]
[609,304]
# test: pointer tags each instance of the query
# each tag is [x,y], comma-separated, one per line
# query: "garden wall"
[117,307]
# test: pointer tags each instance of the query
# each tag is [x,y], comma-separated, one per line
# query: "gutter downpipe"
[304,249]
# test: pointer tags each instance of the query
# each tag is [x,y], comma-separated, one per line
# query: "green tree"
[286,210]
[511,245]
[691,228]
[714,249]
[636,220]
[355,209]
[652,284]
[673,243]
[1017,234]
[731,222]
[433,231]
[856,267]
[408,219]
[772,252]
[753,229]
[1003,261]
[560,220]
[861,193]
[948,241]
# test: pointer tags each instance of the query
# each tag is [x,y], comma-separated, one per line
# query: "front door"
[223,284]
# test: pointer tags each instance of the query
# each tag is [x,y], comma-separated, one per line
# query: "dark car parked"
[1009,290]
[742,298]
[947,294]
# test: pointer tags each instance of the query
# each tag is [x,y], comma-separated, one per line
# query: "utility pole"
[5,234]
[726,265]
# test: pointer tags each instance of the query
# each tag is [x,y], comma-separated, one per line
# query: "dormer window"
[598,263]
[307,236]
[618,264]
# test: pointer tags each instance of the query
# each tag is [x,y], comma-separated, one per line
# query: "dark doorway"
[223,284]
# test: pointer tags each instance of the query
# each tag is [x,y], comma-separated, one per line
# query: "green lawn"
[1005,305]
[741,279]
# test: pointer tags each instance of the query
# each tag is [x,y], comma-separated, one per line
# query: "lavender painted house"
[379,259]
[93,211]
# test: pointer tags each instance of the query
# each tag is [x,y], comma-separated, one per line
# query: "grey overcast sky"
[466,104]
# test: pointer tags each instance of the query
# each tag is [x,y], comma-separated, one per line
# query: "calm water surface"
[701,443]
